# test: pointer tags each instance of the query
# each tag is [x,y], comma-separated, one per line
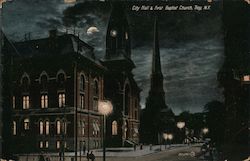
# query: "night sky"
[191,43]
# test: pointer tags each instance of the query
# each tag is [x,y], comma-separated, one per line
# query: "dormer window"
[113,33]
[61,78]
[25,81]
[43,82]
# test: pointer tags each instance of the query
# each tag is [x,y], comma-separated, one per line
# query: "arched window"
[127,100]
[96,94]
[26,124]
[61,78]
[25,83]
[82,83]
[58,127]
[47,127]
[14,128]
[43,81]
[41,127]
[26,102]
[44,101]
[64,126]
[61,99]
[96,88]
[82,128]
[114,128]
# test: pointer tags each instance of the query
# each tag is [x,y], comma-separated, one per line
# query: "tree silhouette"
[215,117]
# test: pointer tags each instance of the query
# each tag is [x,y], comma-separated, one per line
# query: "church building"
[157,117]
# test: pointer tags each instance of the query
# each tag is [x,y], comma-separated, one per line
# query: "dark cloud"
[191,43]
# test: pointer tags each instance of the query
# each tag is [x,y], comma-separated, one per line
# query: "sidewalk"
[129,152]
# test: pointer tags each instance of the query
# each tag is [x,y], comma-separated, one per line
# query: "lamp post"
[167,137]
[105,108]
[205,130]
[180,126]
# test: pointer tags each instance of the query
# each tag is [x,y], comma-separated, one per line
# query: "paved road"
[176,154]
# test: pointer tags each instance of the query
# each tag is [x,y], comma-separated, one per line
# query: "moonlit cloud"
[191,44]
[91,30]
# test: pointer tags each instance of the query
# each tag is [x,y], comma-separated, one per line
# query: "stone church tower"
[119,84]
[156,117]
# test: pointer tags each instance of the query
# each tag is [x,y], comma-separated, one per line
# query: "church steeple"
[156,74]
[118,49]
[118,38]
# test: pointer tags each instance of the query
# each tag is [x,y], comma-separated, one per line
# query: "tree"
[215,118]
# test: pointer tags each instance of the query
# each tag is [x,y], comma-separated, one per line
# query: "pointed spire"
[156,60]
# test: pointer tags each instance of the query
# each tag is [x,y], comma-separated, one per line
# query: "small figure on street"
[141,146]
[134,147]
[150,147]
[84,148]
[87,156]
[91,156]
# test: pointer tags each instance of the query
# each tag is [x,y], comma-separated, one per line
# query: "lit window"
[44,101]
[47,127]
[114,128]
[26,123]
[57,144]
[58,127]
[83,127]
[46,144]
[61,99]
[82,101]
[14,128]
[246,78]
[41,127]
[95,128]
[26,102]
[126,36]
[13,102]
[41,144]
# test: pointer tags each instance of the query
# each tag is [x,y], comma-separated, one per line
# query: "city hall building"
[52,89]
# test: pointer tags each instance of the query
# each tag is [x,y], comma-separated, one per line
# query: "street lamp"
[180,126]
[205,130]
[167,137]
[105,107]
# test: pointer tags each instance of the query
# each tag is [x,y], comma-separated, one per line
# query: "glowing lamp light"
[246,78]
[205,130]
[180,124]
[105,107]
[113,33]
[69,1]
[167,136]
[170,136]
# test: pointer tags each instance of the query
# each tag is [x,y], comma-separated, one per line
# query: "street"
[175,154]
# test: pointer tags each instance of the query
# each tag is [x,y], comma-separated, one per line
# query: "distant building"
[157,117]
